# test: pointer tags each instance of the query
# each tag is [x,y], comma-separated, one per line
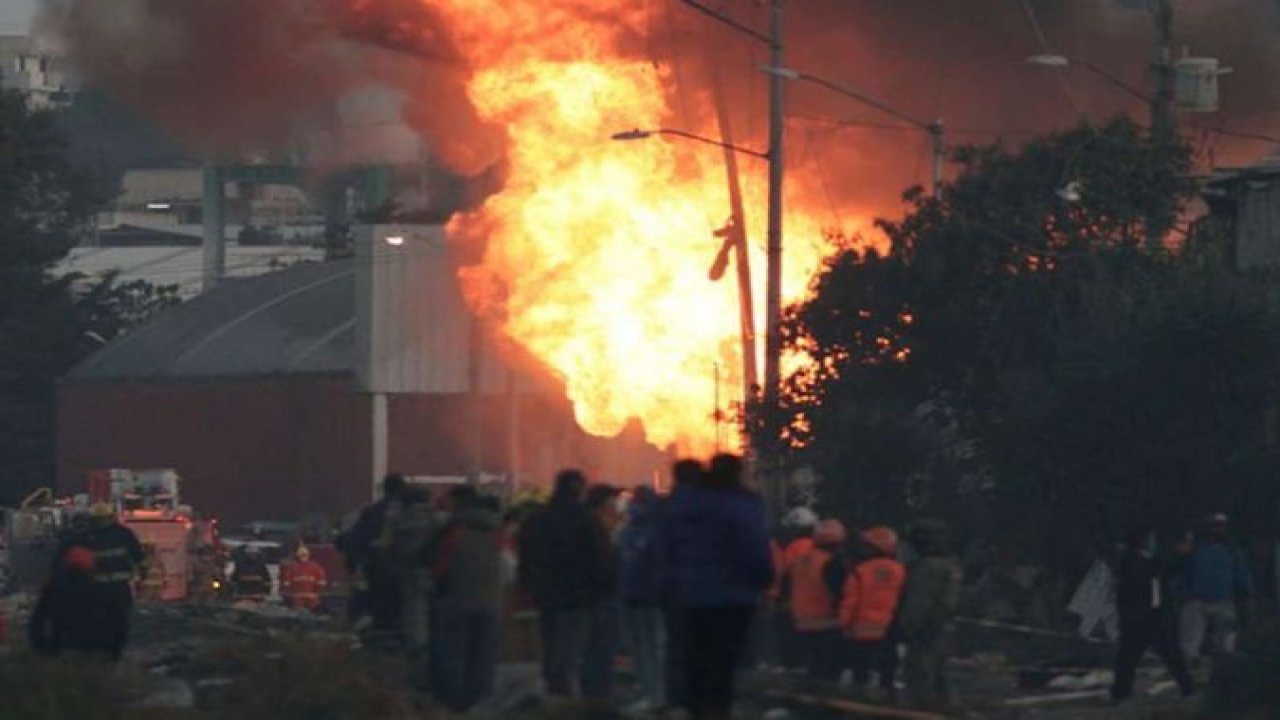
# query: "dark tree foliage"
[107,139]
[47,323]
[1026,361]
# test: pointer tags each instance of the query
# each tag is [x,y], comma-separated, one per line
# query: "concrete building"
[172,199]
[293,392]
[34,69]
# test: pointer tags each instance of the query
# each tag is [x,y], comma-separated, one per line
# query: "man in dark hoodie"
[686,477]
[366,558]
[469,593]
[597,678]
[640,589]
[564,564]
[1145,606]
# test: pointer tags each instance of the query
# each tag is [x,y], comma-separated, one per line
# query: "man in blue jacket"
[1217,581]
[721,562]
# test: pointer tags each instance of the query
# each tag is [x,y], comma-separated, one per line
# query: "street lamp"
[639,134]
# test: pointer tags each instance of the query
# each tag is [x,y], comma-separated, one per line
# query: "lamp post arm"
[717,143]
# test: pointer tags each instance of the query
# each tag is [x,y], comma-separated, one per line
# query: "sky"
[15,16]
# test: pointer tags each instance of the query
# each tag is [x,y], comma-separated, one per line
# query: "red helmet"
[79,559]
[829,532]
[883,539]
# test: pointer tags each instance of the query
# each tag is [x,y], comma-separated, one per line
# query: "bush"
[300,678]
[1244,686]
[36,688]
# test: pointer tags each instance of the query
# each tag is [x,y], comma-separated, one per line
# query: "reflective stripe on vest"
[812,606]
[871,595]
[116,577]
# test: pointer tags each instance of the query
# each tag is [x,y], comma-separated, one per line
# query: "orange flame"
[598,250]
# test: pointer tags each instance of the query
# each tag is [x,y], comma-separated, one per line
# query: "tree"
[47,323]
[1025,361]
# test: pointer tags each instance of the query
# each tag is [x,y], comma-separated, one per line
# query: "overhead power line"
[727,20]
[1245,135]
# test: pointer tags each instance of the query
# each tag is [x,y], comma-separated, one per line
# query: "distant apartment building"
[153,230]
[37,71]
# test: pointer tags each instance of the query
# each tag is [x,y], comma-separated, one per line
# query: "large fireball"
[596,250]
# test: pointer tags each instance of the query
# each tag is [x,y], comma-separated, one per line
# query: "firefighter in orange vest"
[302,581]
[797,539]
[869,609]
[817,579]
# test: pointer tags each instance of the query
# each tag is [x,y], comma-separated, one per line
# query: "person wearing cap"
[929,602]
[817,581]
[869,607]
[1218,583]
[117,560]
[302,581]
[796,540]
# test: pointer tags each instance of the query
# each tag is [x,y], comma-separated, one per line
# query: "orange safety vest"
[302,583]
[871,594]
[812,607]
[784,559]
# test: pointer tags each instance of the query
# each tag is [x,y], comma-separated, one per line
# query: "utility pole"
[938,146]
[773,280]
[1162,120]
[1163,131]
[737,235]
[214,248]
[772,476]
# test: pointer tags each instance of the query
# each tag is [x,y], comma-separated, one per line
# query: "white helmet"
[800,518]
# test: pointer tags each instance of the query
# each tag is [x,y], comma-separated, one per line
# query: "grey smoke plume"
[233,75]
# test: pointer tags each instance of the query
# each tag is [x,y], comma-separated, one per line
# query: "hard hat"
[830,532]
[101,511]
[302,552]
[800,518]
[882,538]
[79,559]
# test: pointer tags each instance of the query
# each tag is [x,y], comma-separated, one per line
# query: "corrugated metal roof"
[298,320]
[180,265]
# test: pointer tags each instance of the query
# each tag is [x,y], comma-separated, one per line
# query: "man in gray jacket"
[929,603]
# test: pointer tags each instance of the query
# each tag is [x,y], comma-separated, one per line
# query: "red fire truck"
[149,504]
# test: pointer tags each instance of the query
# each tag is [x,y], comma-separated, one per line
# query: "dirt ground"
[210,662]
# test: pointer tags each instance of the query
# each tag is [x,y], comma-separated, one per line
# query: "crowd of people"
[691,585]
